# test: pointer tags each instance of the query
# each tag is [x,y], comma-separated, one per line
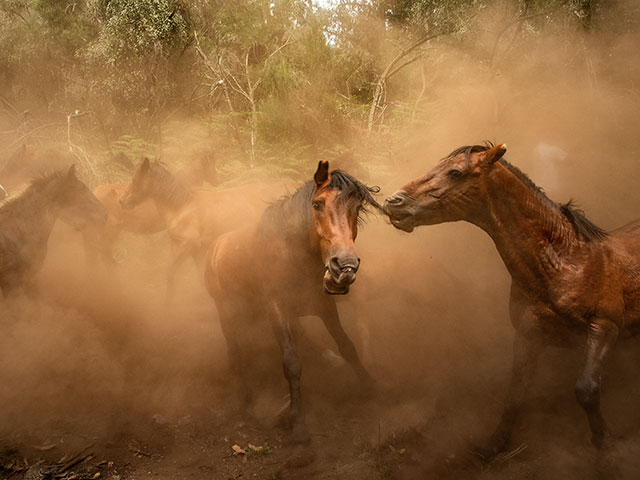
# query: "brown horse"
[282,268]
[568,276]
[27,219]
[193,218]
[144,218]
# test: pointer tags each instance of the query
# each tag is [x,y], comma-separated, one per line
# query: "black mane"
[291,214]
[576,217]
[167,185]
[30,196]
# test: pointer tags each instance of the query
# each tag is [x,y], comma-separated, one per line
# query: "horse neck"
[285,223]
[34,213]
[169,195]
[530,233]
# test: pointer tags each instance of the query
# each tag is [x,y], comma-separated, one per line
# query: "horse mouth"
[399,216]
[404,223]
[333,287]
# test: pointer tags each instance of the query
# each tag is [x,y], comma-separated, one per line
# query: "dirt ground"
[102,380]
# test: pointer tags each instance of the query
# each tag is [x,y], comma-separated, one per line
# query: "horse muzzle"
[338,276]
[398,208]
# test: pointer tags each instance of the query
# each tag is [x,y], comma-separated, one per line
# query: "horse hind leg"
[602,335]
[230,319]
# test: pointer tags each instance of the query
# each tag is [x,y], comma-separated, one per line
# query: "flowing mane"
[167,186]
[291,214]
[582,226]
[30,197]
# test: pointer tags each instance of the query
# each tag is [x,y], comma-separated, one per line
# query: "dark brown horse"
[568,276]
[26,222]
[192,217]
[301,250]
[144,218]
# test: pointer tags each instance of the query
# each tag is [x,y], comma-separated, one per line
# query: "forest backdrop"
[274,84]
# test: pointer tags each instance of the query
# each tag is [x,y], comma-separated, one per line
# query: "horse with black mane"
[289,265]
[26,222]
[570,278]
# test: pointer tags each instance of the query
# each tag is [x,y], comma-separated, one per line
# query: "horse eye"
[454,173]
[317,205]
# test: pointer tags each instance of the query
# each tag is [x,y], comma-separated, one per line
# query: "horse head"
[140,187]
[78,205]
[449,192]
[337,202]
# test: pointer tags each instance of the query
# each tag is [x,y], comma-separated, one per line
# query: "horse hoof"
[492,448]
[300,458]
[603,441]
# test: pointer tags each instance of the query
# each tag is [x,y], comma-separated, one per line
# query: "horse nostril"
[395,200]
[334,266]
[338,266]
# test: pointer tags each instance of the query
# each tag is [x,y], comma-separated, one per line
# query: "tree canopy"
[270,76]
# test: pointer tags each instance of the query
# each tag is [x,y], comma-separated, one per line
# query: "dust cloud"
[100,354]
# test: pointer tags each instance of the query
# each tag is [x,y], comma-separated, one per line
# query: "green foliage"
[276,81]
[133,57]
[429,15]
[133,147]
[140,27]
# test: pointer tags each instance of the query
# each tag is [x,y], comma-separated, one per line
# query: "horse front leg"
[526,350]
[180,254]
[107,237]
[90,240]
[293,417]
[331,319]
[602,335]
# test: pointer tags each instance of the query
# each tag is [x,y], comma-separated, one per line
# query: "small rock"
[238,450]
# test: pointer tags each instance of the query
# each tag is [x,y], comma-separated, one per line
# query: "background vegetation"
[269,84]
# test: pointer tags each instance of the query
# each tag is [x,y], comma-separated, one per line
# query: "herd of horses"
[571,281]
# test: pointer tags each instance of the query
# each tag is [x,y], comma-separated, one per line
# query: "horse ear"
[146,164]
[71,171]
[494,154]
[322,173]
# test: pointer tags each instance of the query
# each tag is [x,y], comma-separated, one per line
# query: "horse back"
[214,212]
[627,237]
[624,242]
